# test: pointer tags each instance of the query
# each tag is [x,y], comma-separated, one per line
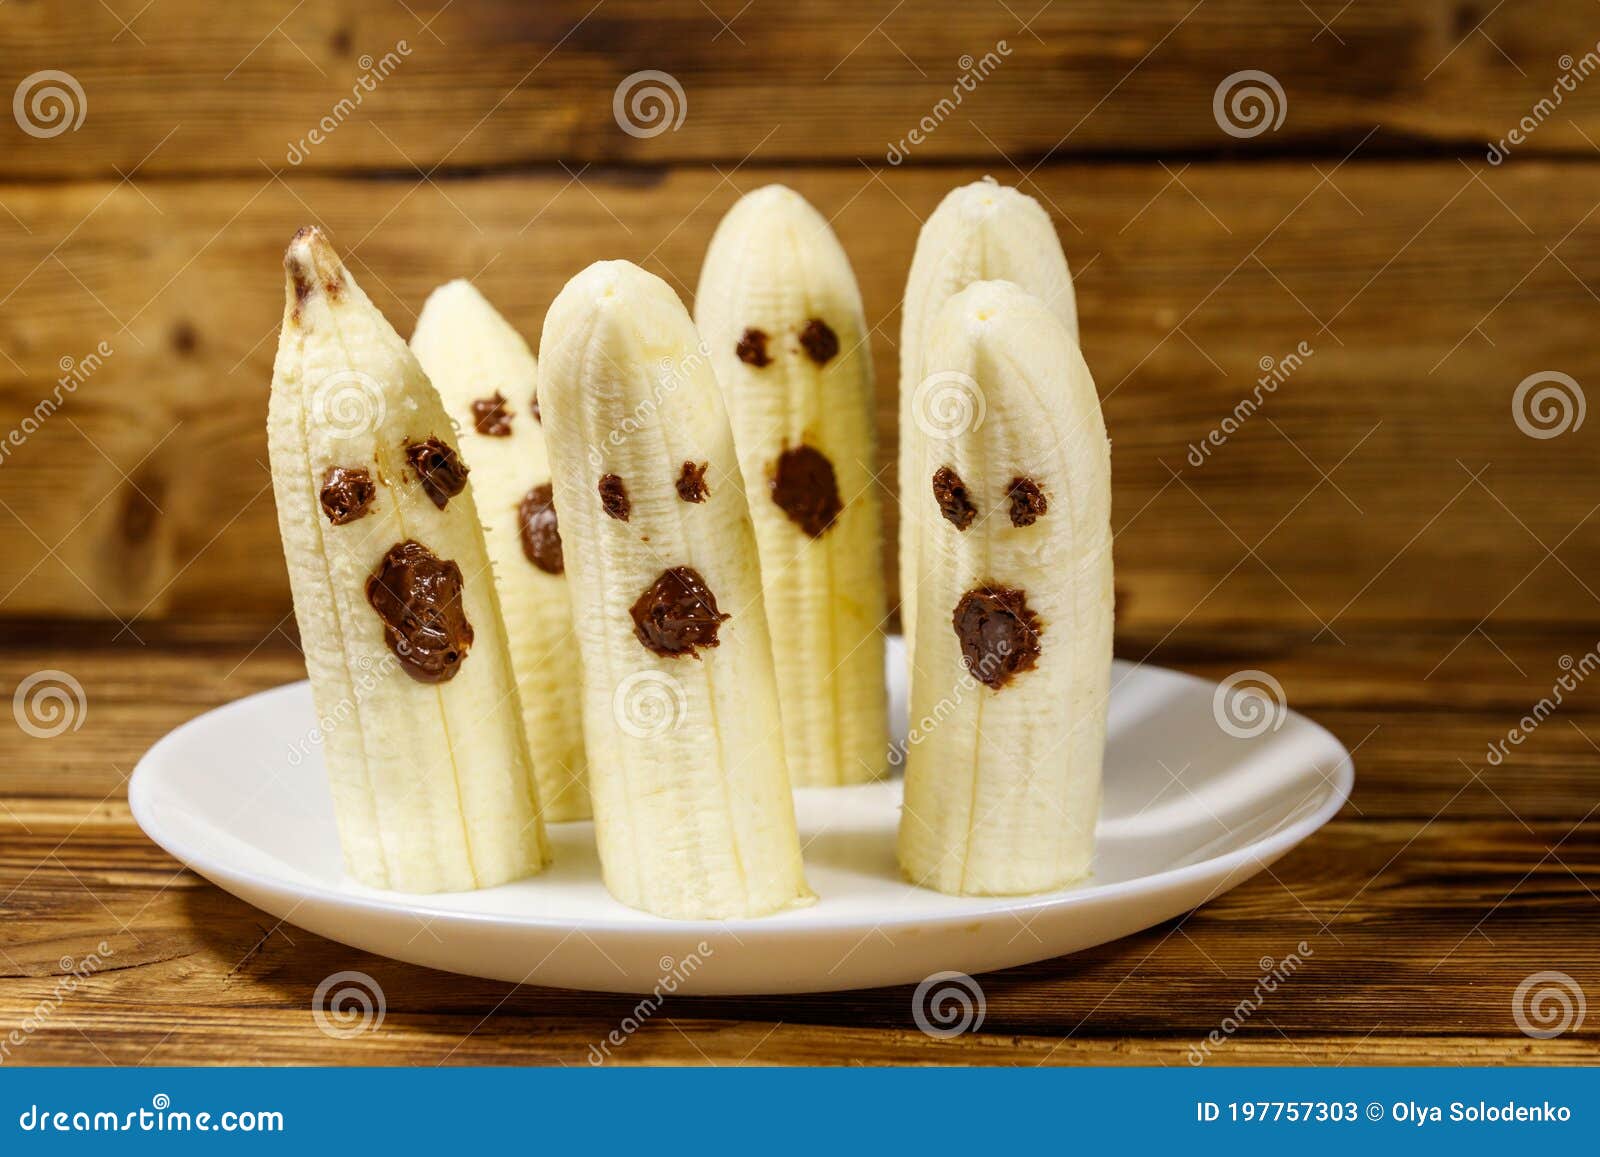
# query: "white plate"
[1190,811]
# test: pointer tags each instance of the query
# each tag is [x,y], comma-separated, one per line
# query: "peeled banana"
[431,777]
[694,816]
[979,231]
[1012,530]
[486,377]
[779,308]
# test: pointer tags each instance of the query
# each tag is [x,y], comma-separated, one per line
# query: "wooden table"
[1424,904]
[1409,554]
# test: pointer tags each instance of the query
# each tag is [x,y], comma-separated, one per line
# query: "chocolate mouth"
[417,596]
[677,614]
[805,488]
[999,633]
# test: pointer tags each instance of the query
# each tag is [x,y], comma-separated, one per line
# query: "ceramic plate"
[1191,810]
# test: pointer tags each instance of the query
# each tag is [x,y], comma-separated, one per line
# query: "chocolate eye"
[443,475]
[820,343]
[752,348]
[541,532]
[1028,503]
[490,417]
[951,495]
[691,482]
[347,494]
[614,497]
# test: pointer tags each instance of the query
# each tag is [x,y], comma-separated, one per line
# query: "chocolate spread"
[752,348]
[677,614]
[490,416]
[417,595]
[541,537]
[692,482]
[819,342]
[614,497]
[347,494]
[1028,502]
[999,634]
[804,487]
[951,495]
[443,475]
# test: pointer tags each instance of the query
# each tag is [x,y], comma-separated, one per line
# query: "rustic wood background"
[1382,536]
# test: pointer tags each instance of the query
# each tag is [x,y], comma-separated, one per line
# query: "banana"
[432,782]
[486,376]
[979,231]
[779,307]
[1013,536]
[694,817]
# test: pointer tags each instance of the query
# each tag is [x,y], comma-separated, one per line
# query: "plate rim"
[1264,851]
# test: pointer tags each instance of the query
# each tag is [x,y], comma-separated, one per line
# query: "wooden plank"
[177,1034]
[1421,729]
[1348,494]
[1415,914]
[1402,930]
[485,83]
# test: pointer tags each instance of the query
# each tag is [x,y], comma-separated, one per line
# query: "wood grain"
[501,83]
[1420,728]
[1390,458]
[1416,913]
[1401,928]
[1381,536]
